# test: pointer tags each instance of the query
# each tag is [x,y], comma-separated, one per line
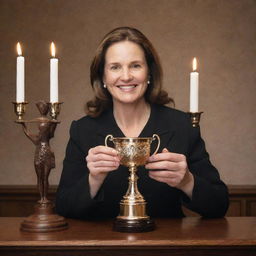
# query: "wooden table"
[188,236]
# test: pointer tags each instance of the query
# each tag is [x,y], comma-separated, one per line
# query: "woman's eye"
[136,65]
[115,67]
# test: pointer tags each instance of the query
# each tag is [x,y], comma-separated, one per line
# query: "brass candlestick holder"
[133,152]
[195,118]
[20,109]
[54,109]
[44,219]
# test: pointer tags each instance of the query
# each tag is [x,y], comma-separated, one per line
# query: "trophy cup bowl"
[133,152]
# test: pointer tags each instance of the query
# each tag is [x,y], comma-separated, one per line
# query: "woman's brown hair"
[102,99]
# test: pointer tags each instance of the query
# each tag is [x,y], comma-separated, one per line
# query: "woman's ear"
[148,82]
[104,83]
[103,80]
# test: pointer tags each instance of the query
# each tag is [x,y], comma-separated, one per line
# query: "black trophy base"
[133,226]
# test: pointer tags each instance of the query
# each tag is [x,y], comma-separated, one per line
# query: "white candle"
[53,76]
[194,84]
[20,76]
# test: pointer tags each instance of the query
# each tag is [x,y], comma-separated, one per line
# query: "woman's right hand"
[100,161]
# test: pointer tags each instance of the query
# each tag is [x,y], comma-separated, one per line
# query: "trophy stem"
[133,217]
[133,194]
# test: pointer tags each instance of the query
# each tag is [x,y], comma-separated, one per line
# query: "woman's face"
[126,72]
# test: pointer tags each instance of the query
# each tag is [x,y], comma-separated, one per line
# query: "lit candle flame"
[53,51]
[19,49]
[194,64]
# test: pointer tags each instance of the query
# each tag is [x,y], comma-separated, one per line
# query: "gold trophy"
[133,152]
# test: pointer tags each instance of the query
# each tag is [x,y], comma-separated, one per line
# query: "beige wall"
[221,33]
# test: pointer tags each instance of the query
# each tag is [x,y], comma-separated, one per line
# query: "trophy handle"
[110,137]
[155,136]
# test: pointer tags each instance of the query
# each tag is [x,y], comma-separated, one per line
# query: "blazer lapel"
[107,126]
[157,124]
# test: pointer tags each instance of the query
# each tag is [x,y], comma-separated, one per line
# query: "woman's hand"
[100,161]
[172,169]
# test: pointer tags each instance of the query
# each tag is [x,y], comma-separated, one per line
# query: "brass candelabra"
[44,219]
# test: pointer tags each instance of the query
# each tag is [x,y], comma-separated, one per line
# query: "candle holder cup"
[54,109]
[19,109]
[195,118]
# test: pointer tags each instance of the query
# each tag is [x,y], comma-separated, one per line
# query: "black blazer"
[210,195]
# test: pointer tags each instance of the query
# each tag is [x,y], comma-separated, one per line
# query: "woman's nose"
[126,75]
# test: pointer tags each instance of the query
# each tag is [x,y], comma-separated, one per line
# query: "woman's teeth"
[126,86]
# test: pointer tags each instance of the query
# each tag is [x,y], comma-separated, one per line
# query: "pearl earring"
[104,85]
[148,82]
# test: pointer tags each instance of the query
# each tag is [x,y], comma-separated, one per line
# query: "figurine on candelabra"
[44,159]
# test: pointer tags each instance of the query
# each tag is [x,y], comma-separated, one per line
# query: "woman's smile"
[127,87]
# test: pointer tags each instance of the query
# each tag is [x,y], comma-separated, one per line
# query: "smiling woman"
[138,43]
[129,101]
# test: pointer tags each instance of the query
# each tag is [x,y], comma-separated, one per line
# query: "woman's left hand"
[172,169]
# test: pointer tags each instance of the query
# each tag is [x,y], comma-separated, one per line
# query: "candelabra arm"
[32,137]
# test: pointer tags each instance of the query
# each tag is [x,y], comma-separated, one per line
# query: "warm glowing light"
[19,49]
[194,64]
[53,51]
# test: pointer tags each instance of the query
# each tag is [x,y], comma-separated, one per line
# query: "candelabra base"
[133,226]
[44,220]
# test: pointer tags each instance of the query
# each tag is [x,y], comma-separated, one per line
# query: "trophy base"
[44,220]
[133,226]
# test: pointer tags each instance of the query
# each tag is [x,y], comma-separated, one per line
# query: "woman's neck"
[131,118]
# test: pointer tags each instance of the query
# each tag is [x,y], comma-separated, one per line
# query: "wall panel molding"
[19,200]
